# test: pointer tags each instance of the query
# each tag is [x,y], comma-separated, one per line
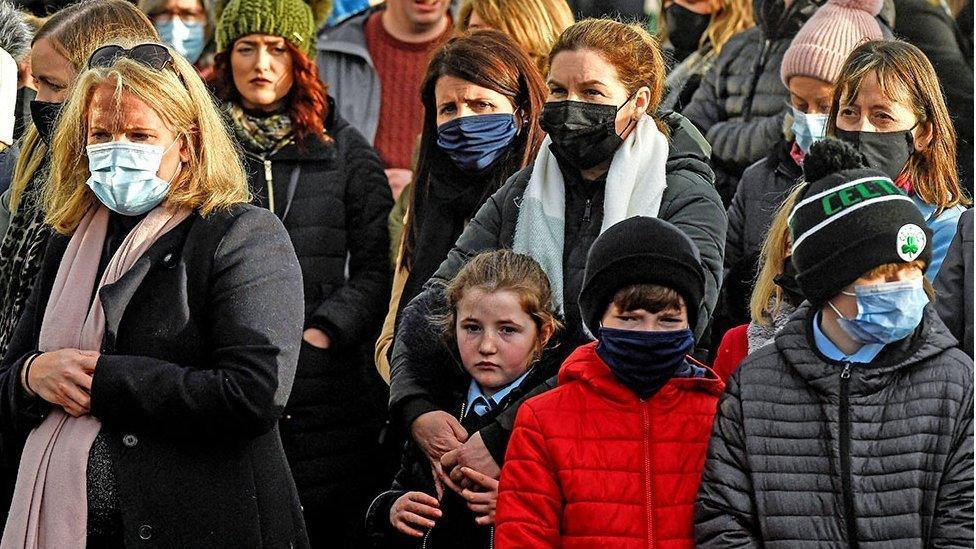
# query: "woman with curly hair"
[327,185]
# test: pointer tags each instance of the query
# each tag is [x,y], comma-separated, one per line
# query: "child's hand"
[481,500]
[414,510]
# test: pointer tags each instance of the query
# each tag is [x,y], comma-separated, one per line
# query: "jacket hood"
[585,366]
[796,345]
[687,147]
[348,37]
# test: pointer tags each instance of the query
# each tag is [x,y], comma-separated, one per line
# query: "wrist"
[25,372]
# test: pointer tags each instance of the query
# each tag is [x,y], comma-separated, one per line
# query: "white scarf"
[635,185]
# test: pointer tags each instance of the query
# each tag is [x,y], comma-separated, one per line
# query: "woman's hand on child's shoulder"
[414,512]
[481,497]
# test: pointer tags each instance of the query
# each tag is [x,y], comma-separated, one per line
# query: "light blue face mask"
[886,312]
[123,176]
[186,38]
[808,128]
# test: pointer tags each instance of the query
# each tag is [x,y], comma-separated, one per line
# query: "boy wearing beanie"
[614,454]
[809,69]
[855,427]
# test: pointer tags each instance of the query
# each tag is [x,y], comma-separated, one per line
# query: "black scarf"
[442,209]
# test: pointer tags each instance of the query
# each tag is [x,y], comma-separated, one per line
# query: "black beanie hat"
[640,250]
[850,221]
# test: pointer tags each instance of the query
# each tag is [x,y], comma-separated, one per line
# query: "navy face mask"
[644,361]
[474,143]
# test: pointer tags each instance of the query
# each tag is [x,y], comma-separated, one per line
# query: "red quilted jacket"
[590,465]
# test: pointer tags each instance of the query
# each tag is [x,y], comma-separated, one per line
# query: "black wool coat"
[198,358]
[334,200]
[808,452]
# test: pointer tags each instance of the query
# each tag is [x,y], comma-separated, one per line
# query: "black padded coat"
[808,452]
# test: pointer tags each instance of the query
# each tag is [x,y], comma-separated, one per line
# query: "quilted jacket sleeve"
[529,495]
[417,368]
[359,305]
[953,524]
[724,514]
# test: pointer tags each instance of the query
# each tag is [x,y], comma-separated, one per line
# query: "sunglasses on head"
[154,56]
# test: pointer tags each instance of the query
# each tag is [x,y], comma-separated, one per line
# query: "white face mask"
[123,175]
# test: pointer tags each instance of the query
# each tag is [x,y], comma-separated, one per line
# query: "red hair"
[308,107]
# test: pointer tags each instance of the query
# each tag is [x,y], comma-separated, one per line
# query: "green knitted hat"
[293,20]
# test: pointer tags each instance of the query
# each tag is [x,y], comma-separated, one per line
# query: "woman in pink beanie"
[809,69]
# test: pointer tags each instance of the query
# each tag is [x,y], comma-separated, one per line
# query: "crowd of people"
[486,273]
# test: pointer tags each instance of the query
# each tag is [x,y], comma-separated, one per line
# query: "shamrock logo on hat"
[910,242]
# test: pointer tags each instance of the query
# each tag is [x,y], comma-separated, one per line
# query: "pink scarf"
[49,507]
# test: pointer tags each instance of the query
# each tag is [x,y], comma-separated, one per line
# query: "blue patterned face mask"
[886,312]
[475,142]
[186,38]
[808,128]
[123,176]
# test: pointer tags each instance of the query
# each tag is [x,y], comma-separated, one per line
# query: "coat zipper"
[423,544]
[587,209]
[647,474]
[270,182]
[845,456]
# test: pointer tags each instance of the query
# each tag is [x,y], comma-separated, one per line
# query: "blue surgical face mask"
[808,128]
[123,176]
[644,361]
[474,143]
[886,312]
[186,38]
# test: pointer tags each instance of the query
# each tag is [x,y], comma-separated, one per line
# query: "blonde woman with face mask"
[159,345]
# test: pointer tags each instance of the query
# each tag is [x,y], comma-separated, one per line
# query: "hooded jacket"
[690,202]
[809,452]
[591,465]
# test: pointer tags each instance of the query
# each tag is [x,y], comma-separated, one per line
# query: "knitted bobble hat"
[640,250]
[828,37]
[849,221]
[293,20]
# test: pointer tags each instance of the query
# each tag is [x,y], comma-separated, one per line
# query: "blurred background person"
[321,177]
[15,37]
[373,64]
[693,34]
[187,27]
[534,25]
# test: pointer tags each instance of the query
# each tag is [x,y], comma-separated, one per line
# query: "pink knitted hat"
[826,39]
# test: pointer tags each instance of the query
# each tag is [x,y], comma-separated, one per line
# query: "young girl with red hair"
[326,184]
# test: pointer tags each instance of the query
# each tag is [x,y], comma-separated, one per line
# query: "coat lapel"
[164,253]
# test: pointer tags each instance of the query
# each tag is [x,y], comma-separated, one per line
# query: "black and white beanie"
[849,221]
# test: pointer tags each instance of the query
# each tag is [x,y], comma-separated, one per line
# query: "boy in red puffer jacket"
[613,456]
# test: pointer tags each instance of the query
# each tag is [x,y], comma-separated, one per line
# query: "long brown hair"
[489,59]
[906,76]
[634,53]
[308,107]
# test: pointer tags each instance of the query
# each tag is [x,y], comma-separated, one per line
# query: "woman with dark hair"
[482,98]
[326,184]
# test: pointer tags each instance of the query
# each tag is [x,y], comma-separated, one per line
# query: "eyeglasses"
[154,56]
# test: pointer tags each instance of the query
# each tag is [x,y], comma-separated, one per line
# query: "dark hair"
[492,60]
[653,298]
[308,107]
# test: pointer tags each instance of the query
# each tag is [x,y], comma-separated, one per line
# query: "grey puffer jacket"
[808,452]
[741,101]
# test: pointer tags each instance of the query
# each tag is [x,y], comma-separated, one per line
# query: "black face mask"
[45,117]
[583,134]
[786,280]
[22,110]
[685,29]
[886,152]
